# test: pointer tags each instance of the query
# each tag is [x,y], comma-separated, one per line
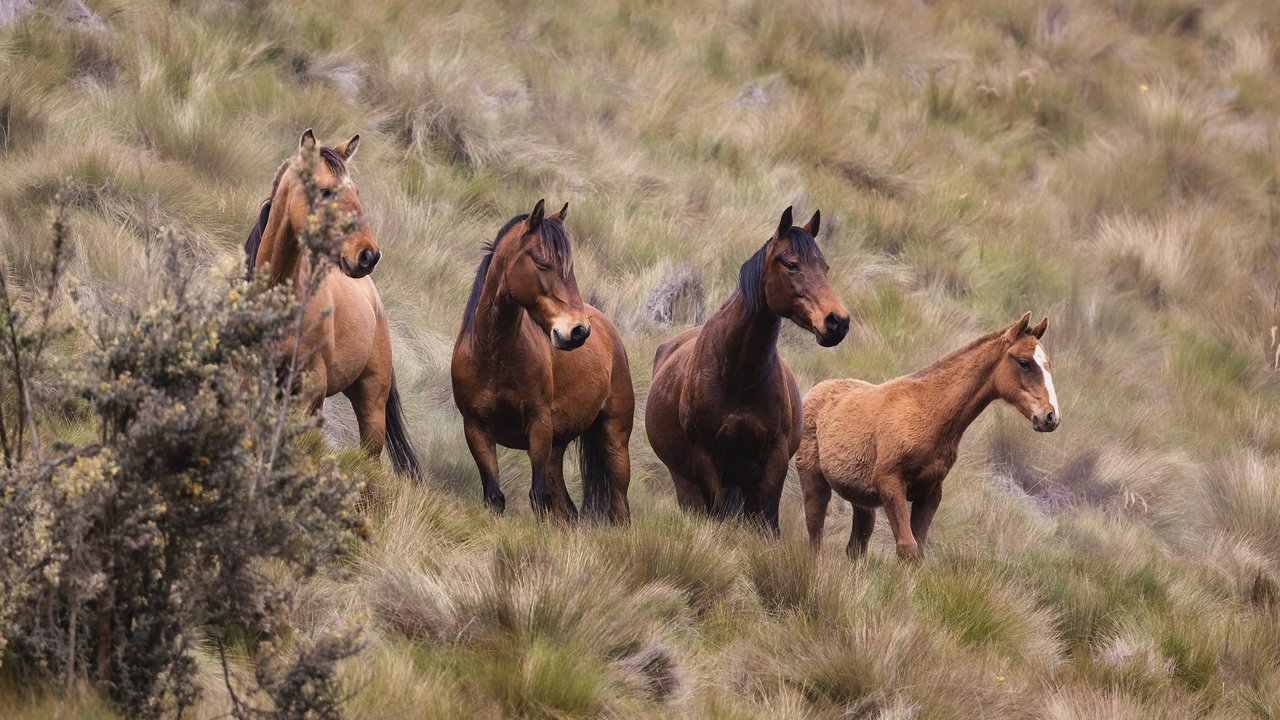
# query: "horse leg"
[540,433]
[707,477]
[484,451]
[770,490]
[561,504]
[817,497]
[896,507]
[368,396]
[864,522]
[687,492]
[922,512]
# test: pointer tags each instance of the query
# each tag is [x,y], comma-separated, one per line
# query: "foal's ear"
[1038,330]
[347,150]
[784,225]
[812,226]
[307,143]
[564,212]
[1017,329]
[535,217]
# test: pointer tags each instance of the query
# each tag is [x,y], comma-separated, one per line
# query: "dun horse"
[535,368]
[894,443]
[347,346]
[724,410]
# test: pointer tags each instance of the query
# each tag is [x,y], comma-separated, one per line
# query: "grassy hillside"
[1112,164]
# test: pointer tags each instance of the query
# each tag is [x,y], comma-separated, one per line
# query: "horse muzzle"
[364,264]
[1048,422]
[572,337]
[834,327]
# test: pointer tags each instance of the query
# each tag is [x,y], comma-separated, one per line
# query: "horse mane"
[751,275]
[953,356]
[555,241]
[336,165]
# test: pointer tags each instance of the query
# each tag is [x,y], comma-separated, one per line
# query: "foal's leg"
[368,396]
[893,494]
[540,492]
[864,522]
[922,512]
[485,453]
[561,504]
[817,497]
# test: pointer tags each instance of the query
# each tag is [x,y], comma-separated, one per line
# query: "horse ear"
[814,222]
[307,143]
[347,150]
[1017,329]
[784,225]
[1038,330]
[564,212]
[535,217]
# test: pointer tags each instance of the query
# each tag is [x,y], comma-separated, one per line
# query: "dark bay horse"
[724,409]
[894,443]
[346,347]
[535,368]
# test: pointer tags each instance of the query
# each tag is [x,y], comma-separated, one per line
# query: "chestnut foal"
[894,443]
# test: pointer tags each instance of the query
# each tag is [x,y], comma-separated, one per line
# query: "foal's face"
[540,277]
[359,253]
[1024,375]
[796,287]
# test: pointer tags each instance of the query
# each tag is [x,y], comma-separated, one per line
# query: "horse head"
[537,265]
[1023,374]
[794,279]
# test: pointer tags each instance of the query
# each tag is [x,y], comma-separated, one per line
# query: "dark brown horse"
[346,347]
[724,410]
[894,443]
[535,368]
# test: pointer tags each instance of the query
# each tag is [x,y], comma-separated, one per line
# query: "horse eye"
[790,265]
[327,193]
[1024,363]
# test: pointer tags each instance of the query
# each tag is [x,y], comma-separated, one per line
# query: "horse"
[894,443]
[724,409]
[346,344]
[534,368]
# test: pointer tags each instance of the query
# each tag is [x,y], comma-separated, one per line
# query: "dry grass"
[1115,165]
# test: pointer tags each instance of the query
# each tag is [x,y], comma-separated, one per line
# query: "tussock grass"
[1113,165]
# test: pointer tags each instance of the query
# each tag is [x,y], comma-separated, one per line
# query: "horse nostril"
[836,322]
[1050,419]
[579,333]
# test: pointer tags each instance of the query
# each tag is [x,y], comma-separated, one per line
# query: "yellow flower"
[999,678]
[1143,87]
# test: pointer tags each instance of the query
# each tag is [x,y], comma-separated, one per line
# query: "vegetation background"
[1112,164]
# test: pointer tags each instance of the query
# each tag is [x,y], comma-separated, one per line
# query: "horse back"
[666,349]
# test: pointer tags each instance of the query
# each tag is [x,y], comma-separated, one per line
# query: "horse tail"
[591,463]
[403,457]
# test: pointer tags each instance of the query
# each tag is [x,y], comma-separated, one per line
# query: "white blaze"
[1041,359]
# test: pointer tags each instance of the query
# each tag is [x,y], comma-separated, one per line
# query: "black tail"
[595,485]
[403,457]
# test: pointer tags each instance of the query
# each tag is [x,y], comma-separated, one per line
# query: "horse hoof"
[496,502]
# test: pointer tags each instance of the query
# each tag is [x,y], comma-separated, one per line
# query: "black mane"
[336,165]
[555,241]
[751,275]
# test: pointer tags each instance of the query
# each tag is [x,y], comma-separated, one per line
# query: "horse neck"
[498,315]
[279,248]
[744,343]
[961,387]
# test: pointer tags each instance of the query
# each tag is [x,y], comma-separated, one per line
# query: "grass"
[1113,165]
